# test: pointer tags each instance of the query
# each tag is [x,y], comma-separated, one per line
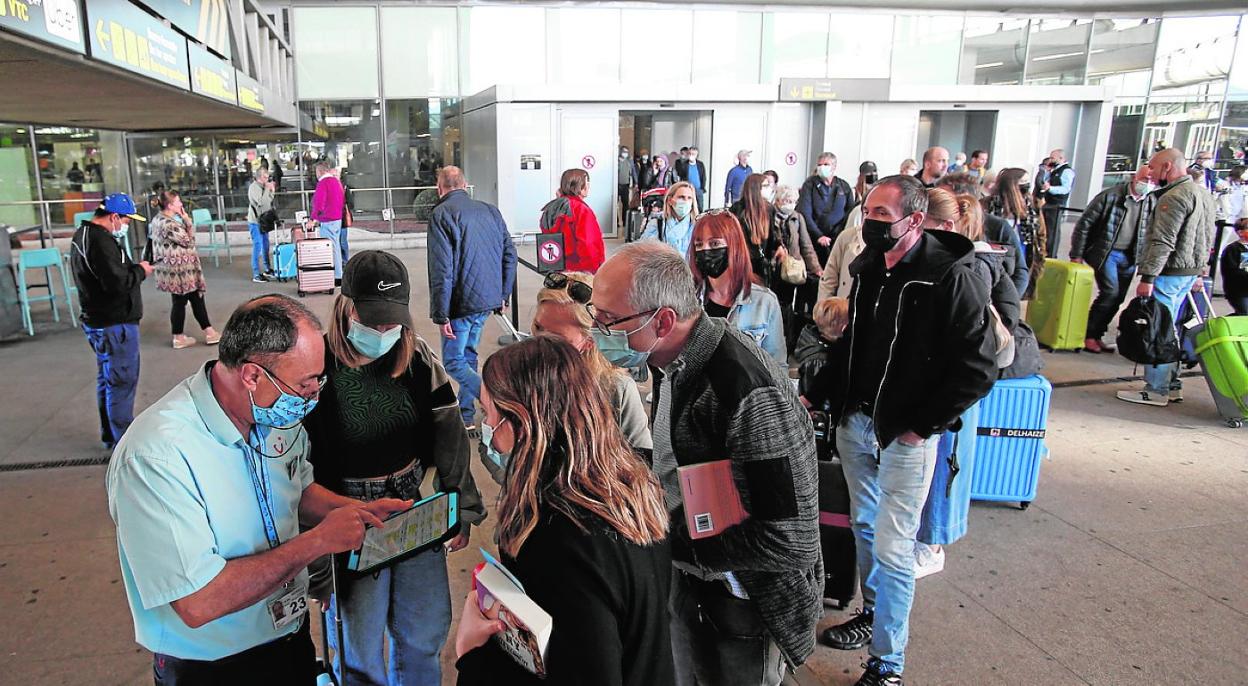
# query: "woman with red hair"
[720,261]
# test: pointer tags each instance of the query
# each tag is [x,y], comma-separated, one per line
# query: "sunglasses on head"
[579,291]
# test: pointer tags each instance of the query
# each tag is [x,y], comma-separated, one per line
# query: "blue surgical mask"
[487,437]
[370,342]
[682,208]
[617,350]
[286,412]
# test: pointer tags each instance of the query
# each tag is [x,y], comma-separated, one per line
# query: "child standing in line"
[1235,269]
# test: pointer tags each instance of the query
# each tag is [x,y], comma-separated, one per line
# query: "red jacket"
[582,237]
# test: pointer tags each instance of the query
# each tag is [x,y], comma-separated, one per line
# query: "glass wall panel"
[184,164]
[926,49]
[1122,54]
[419,52]
[336,52]
[352,141]
[1057,53]
[501,45]
[417,145]
[856,46]
[795,44]
[1190,73]
[650,34]
[1233,138]
[17,177]
[71,168]
[726,46]
[586,46]
[994,51]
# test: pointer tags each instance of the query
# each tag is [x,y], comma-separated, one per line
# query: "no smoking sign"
[588,162]
[791,159]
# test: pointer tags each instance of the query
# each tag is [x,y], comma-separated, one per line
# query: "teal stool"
[45,259]
[203,217]
[123,240]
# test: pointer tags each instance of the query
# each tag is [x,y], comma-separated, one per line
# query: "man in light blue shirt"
[1056,198]
[736,177]
[208,488]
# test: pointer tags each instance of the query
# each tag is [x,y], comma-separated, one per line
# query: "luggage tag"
[289,607]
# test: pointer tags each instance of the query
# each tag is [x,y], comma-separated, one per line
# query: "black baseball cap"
[377,283]
[867,167]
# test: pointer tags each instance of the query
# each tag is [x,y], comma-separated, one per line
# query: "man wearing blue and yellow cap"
[109,290]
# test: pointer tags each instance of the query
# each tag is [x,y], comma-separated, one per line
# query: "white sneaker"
[1144,398]
[927,560]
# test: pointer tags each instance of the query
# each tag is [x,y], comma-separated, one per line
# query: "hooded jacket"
[940,359]
[582,237]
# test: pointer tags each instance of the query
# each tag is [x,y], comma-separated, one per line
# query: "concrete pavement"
[1127,569]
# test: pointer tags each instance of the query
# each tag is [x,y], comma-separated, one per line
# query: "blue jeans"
[259,250]
[459,356]
[1113,280]
[410,604]
[1160,379]
[117,376]
[334,232]
[885,503]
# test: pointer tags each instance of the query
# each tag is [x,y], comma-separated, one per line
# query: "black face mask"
[871,179]
[877,234]
[712,262]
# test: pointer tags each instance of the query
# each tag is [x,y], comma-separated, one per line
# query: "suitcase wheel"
[1024,505]
[1235,423]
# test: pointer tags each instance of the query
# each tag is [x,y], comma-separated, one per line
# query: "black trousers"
[1053,225]
[177,315]
[288,661]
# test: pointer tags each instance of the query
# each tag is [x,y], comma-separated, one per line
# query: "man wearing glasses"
[208,489]
[744,601]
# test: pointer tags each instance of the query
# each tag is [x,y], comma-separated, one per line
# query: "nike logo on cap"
[383,286]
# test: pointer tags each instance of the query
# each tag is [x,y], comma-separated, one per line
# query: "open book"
[528,626]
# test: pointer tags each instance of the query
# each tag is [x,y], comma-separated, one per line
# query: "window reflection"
[347,134]
[422,136]
[1057,52]
[993,51]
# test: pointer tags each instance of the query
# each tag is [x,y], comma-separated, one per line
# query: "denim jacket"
[675,232]
[758,316]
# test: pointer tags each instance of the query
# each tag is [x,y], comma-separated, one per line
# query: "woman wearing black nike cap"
[387,414]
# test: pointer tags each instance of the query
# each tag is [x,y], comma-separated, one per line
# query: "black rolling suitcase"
[840,560]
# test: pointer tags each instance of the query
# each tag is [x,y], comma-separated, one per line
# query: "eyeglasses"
[320,382]
[579,291]
[605,327]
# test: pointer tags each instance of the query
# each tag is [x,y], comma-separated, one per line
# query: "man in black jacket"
[825,200]
[112,304]
[1109,237]
[745,597]
[692,170]
[916,354]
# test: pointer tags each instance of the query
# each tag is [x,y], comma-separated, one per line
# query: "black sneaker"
[875,674]
[851,635]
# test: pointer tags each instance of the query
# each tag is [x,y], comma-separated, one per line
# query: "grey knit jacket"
[1180,234]
[729,400]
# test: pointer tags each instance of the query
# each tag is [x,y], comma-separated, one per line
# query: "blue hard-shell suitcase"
[948,503]
[1009,444]
[285,262]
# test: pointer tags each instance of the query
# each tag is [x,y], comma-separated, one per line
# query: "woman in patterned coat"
[178,271]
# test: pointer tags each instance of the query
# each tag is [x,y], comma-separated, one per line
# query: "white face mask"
[769,193]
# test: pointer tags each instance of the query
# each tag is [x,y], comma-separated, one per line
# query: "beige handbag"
[793,270]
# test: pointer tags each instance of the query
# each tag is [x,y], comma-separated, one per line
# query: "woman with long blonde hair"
[561,311]
[582,524]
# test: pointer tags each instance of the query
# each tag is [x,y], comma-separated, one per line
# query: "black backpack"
[1146,333]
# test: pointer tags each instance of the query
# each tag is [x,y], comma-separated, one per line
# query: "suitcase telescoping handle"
[515,335]
[1191,301]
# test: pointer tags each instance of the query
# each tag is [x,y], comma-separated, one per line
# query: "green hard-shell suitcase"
[1059,312]
[1222,347]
